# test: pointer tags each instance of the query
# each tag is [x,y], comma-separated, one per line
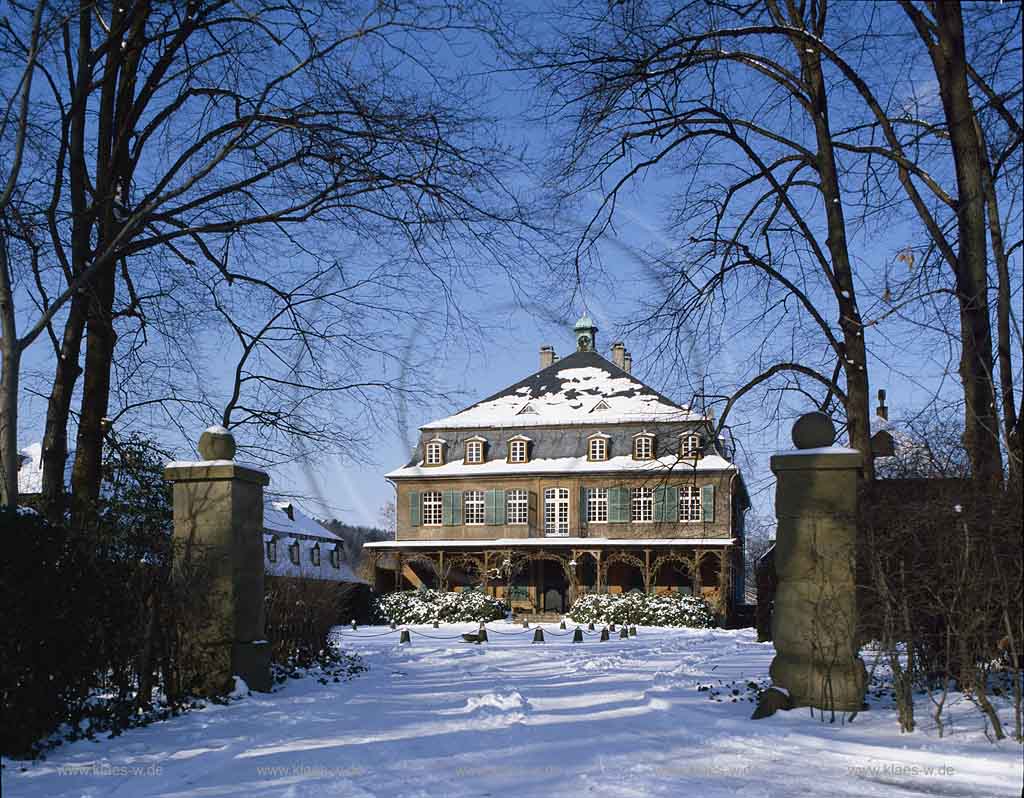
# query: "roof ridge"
[545,382]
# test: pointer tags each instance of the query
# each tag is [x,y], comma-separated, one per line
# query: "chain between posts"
[566,633]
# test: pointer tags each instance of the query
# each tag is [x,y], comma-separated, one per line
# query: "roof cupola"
[586,334]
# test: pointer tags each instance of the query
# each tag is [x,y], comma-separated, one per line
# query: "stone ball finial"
[216,443]
[813,431]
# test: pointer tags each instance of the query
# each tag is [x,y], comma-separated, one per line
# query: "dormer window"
[434,455]
[474,451]
[597,447]
[689,445]
[519,449]
[643,446]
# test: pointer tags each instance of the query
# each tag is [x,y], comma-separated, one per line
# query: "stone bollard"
[354,627]
[526,624]
[437,625]
[632,631]
[538,635]
[604,635]
[611,627]
[815,616]
[404,637]
[577,636]
[482,634]
[561,625]
[394,625]
[218,531]
[623,633]
[590,626]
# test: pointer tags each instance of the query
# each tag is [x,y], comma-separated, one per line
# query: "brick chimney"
[547,356]
[627,363]
[619,354]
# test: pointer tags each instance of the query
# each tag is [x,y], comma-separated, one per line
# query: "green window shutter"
[499,507]
[533,510]
[583,506]
[415,508]
[659,503]
[494,507]
[707,503]
[671,504]
[452,507]
[618,505]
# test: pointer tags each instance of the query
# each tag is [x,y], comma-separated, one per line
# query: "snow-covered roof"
[567,392]
[287,518]
[283,565]
[30,472]
[546,542]
[561,465]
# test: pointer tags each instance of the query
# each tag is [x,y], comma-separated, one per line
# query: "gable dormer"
[474,450]
[434,452]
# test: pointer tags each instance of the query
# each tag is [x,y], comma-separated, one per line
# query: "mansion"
[579,478]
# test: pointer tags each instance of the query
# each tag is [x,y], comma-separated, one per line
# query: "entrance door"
[554,601]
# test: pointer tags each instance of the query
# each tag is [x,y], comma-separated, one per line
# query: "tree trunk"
[854,358]
[58,410]
[11,365]
[99,351]
[981,436]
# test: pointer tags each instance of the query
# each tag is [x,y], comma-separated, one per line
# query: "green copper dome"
[586,334]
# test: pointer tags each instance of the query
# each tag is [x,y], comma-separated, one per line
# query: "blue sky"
[500,344]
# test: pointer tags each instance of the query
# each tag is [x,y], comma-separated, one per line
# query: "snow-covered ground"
[507,718]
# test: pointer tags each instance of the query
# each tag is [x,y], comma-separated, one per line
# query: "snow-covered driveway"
[508,718]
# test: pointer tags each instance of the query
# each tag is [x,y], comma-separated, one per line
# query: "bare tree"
[178,134]
[787,131]
[672,88]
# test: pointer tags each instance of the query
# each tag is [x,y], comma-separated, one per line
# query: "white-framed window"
[473,507]
[689,445]
[642,504]
[556,512]
[474,451]
[597,505]
[689,503]
[518,450]
[643,447]
[272,550]
[293,553]
[433,508]
[597,449]
[314,554]
[435,453]
[335,557]
[517,506]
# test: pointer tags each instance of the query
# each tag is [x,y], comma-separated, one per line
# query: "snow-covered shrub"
[427,606]
[667,609]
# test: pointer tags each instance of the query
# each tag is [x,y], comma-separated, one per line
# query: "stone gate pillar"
[218,523]
[815,616]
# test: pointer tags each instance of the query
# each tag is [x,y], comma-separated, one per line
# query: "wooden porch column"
[697,557]
[598,558]
[647,570]
[442,574]
[398,570]
[487,558]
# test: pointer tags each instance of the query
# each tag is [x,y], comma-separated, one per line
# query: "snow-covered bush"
[427,606]
[667,609]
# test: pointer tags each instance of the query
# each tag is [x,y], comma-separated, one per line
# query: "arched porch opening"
[672,574]
[623,573]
